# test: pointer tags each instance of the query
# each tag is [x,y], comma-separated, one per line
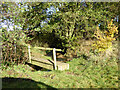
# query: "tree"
[12,51]
[73,21]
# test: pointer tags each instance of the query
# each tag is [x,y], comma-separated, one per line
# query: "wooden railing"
[54,53]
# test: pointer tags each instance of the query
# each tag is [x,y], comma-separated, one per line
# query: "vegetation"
[103,74]
[12,51]
[73,22]
[81,29]
[105,39]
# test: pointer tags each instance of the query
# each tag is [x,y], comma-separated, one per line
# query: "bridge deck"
[48,64]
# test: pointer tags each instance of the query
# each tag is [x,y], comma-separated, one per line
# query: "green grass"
[82,74]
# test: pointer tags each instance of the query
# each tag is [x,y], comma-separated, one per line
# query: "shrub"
[104,39]
[12,49]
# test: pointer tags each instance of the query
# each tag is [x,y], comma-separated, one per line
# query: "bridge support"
[29,53]
[54,57]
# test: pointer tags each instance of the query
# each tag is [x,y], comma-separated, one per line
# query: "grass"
[82,74]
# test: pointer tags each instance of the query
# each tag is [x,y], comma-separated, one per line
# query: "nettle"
[105,39]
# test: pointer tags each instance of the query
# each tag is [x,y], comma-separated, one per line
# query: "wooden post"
[0,54]
[29,53]
[54,57]
[15,48]
[0,50]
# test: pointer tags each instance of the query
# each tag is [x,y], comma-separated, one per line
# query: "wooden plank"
[40,47]
[42,60]
[43,63]
[49,64]
[47,48]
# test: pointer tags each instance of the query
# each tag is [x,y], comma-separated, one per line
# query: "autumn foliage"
[104,39]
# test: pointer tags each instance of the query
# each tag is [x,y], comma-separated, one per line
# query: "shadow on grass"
[10,82]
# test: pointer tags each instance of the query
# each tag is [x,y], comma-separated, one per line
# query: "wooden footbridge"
[46,63]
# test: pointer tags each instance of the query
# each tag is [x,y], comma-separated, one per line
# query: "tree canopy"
[69,21]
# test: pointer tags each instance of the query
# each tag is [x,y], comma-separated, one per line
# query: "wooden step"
[48,64]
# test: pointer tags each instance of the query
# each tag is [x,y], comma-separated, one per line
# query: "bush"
[104,39]
[12,49]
